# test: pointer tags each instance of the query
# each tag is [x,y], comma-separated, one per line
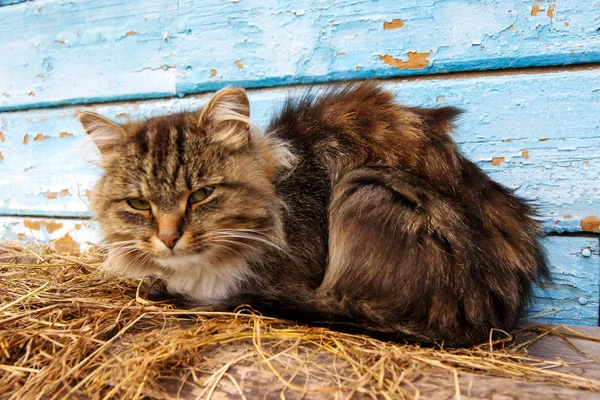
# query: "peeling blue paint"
[59,52]
[11,2]
[536,133]
[573,296]
[80,52]
[344,40]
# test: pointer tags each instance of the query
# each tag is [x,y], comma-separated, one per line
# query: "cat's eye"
[139,204]
[201,194]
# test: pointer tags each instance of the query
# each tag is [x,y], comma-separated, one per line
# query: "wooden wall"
[525,73]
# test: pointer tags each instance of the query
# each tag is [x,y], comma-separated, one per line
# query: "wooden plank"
[64,235]
[476,386]
[257,381]
[572,298]
[65,52]
[581,356]
[261,383]
[4,3]
[536,133]
[257,43]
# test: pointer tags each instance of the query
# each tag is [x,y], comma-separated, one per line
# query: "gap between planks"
[472,74]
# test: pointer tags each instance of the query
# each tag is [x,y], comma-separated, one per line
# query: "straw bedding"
[69,331]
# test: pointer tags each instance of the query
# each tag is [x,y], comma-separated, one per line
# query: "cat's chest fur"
[196,276]
[205,279]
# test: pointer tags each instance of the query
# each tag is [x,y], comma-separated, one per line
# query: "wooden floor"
[582,359]
[549,347]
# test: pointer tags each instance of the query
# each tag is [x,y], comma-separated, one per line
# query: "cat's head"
[188,190]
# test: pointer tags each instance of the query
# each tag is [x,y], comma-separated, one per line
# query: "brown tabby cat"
[350,211]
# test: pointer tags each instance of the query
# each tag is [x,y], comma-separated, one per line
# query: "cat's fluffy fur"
[350,211]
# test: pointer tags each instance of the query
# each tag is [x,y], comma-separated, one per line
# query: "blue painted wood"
[64,235]
[264,43]
[572,298]
[68,52]
[536,133]
[11,2]
[65,52]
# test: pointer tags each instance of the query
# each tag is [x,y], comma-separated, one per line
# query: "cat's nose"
[170,239]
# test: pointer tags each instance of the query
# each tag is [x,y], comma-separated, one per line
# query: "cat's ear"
[226,117]
[106,134]
[439,121]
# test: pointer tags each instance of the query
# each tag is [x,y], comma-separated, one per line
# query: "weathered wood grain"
[261,383]
[255,380]
[265,43]
[536,133]
[480,387]
[57,52]
[11,2]
[581,357]
[571,298]
[64,235]
[65,52]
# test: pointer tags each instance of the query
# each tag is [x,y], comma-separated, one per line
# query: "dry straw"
[69,331]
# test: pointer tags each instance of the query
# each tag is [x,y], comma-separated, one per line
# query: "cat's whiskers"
[123,253]
[259,231]
[249,234]
[110,246]
[226,251]
[235,242]
[122,250]
[250,237]
[125,249]
[207,244]
[235,238]
[116,247]
[143,256]
[254,232]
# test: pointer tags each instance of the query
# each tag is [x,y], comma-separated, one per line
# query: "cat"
[350,211]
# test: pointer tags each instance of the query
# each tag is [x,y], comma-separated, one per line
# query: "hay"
[69,331]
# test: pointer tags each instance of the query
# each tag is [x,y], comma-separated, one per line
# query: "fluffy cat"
[350,210]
